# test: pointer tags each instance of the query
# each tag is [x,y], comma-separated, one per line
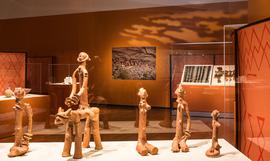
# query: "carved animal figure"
[214,150]
[71,119]
[179,141]
[21,145]
[143,147]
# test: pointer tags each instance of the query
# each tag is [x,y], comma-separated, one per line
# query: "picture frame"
[223,75]
[197,75]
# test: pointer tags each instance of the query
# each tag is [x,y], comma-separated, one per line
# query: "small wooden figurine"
[72,119]
[21,145]
[214,150]
[143,147]
[179,141]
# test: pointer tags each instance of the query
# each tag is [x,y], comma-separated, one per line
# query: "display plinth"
[125,150]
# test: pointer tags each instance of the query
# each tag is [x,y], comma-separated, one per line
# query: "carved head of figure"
[142,93]
[19,92]
[215,114]
[82,57]
[179,92]
[62,116]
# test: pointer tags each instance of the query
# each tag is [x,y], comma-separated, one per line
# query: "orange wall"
[258,9]
[96,33]
[254,90]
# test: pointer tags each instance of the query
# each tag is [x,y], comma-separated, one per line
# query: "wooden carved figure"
[82,75]
[181,136]
[81,98]
[72,119]
[143,147]
[21,145]
[214,150]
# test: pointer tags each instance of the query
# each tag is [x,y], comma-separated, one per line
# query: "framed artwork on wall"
[134,63]
[197,75]
[223,75]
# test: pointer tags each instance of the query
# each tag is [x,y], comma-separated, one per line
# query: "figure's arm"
[188,117]
[217,124]
[74,84]
[84,84]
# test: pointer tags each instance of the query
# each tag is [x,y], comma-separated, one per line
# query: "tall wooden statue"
[21,145]
[181,136]
[143,147]
[214,150]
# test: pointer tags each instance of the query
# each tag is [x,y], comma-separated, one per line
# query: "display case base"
[126,150]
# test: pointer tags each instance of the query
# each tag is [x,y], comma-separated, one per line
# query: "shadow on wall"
[185,24]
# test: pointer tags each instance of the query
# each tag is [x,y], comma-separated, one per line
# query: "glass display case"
[208,76]
[184,81]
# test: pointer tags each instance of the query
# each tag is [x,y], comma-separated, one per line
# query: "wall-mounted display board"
[134,63]
[215,75]
[197,75]
[253,58]
[12,70]
[223,75]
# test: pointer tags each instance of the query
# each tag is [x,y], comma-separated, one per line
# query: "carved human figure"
[82,74]
[21,145]
[143,147]
[181,136]
[72,119]
[214,150]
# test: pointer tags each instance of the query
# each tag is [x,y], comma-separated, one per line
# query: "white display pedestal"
[125,151]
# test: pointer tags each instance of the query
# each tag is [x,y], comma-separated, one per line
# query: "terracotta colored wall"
[258,9]
[64,36]
[254,58]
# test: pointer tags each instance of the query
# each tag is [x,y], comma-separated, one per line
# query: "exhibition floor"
[126,150]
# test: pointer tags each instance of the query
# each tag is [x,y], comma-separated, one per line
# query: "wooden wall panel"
[97,33]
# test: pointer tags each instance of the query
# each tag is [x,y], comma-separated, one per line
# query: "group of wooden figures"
[72,119]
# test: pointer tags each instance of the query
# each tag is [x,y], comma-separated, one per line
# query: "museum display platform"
[126,150]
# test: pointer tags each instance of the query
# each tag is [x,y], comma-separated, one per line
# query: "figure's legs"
[96,132]
[68,141]
[16,149]
[151,149]
[87,135]
[175,145]
[141,149]
[78,141]
[183,145]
